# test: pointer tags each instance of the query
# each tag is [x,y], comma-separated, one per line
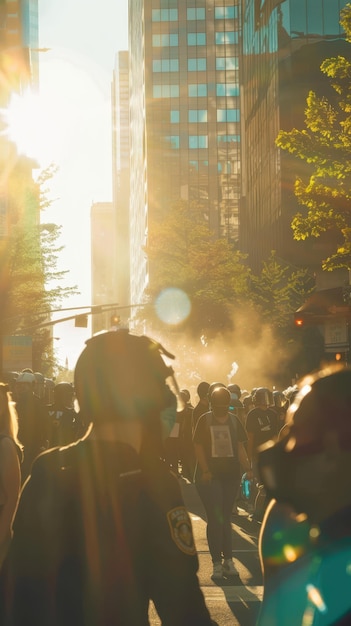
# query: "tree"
[30,257]
[183,253]
[325,145]
[278,291]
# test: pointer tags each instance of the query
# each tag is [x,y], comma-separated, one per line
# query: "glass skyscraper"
[283,45]
[185,116]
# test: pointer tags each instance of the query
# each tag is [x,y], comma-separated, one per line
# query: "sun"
[26,123]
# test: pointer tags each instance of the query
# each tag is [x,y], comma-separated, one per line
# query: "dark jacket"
[98,534]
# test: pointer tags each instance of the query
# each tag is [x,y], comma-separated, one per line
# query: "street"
[231,603]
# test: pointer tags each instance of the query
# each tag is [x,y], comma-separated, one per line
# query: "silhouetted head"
[310,467]
[120,376]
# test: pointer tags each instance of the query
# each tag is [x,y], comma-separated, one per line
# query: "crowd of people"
[93,525]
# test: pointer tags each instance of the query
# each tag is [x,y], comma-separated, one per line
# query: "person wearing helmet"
[261,423]
[101,528]
[190,418]
[64,423]
[203,404]
[10,467]
[305,539]
[236,405]
[32,419]
[219,440]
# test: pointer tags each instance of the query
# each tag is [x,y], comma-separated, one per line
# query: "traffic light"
[299,321]
[115,320]
[81,321]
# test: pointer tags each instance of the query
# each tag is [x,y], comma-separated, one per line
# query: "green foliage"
[325,144]
[278,291]
[30,261]
[183,253]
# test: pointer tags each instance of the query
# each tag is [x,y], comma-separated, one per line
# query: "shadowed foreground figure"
[305,540]
[101,528]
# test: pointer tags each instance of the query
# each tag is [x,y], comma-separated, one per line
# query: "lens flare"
[173,306]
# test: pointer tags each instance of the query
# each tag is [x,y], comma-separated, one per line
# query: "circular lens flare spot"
[172,306]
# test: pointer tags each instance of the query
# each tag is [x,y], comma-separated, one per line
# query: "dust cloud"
[249,356]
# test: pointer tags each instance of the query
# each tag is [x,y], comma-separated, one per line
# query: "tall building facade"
[30,28]
[185,117]
[103,243]
[284,43]
[120,178]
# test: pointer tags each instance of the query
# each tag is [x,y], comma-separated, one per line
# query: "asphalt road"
[233,602]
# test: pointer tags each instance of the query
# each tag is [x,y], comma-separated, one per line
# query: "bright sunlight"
[27,124]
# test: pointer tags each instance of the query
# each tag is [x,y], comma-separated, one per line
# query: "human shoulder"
[9,448]
[203,422]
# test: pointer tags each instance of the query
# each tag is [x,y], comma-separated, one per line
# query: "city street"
[231,603]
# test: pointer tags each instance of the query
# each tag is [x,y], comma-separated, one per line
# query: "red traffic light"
[115,320]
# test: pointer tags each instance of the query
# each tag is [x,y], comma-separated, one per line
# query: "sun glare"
[27,125]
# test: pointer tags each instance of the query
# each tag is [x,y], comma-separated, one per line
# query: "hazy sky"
[83,37]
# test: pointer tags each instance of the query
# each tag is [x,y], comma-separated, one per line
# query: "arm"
[244,460]
[10,478]
[173,581]
[250,446]
[202,461]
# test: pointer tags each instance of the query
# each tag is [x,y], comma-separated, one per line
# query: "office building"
[184,117]
[120,179]
[284,43]
[103,243]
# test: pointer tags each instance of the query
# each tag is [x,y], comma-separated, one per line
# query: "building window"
[196,14]
[164,41]
[174,116]
[165,65]
[228,115]
[227,89]
[226,13]
[227,37]
[197,115]
[174,141]
[197,90]
[196,65]
[228,138]
[196,39]
[164,15]
[165,91]
[198,141]
[227,63]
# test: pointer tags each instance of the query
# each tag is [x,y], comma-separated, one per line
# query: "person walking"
[219,440]
[101,527]
[64,423]
[261,423]
[32,419]
[11,453]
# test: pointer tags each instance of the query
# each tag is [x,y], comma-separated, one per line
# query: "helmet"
[262,395]
[220,398]
[25,377]
[185,394]
[122,376]
[202,389]
[213,386]
[235,390]
[63,392]
[279,399]
[310,466]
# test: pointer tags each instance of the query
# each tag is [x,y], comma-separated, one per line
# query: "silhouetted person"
[305,541]
[101,528]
